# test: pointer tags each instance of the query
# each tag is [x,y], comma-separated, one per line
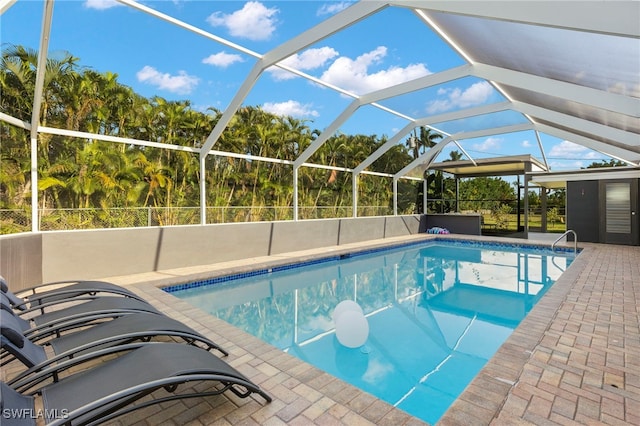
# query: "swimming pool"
[436,313]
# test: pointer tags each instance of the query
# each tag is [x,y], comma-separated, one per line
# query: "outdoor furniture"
[111,388]
[126,329]
[90,309]
[43,298]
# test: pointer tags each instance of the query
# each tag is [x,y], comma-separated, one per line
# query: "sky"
[157,58]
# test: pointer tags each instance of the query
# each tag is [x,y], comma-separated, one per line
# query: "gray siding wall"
[468,224]
[583,215]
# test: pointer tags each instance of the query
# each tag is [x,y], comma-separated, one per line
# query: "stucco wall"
[21,259]
[30,259]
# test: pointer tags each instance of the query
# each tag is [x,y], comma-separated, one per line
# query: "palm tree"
[454,155]
[418,144]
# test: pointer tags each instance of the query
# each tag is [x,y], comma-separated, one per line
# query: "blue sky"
[155,57]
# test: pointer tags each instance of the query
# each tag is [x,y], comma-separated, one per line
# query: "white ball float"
[345,306]
[352,329]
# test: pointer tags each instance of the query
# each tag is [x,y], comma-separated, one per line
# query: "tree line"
[78,173]
[81,173]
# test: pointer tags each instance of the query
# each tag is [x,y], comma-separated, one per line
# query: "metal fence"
[19,220]
[505,215]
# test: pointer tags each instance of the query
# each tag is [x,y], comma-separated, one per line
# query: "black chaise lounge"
[126,329]
[40,297]
[113,387]
[86,309]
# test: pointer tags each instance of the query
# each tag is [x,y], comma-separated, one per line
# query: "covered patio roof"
[497,166]
[555,180]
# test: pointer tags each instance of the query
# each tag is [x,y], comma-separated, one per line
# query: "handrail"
[575,240]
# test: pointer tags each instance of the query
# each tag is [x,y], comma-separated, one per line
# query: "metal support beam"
[417,84]
[385,147]
[203,191]
[395,196]
[15,121]
[527,178]
[35,113]
[230,111]
[604,17]
[544,156]
[345,18]
[630,156]
[464,113]
[295,193]
[599,131]
[543,209]
[354,193]
[560,89]
[327,133]
[425,196]
[5,5]
[457,180]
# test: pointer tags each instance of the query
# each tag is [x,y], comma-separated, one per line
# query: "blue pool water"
[436,312]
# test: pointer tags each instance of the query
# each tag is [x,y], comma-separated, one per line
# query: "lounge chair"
[126,329]
[40,297]
[111,388]
[89,310]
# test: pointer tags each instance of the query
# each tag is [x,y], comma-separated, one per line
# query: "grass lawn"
[535,222]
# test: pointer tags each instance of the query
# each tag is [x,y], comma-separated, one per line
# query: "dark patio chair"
[117,386]
[40,297]
[87,309]
[126,329]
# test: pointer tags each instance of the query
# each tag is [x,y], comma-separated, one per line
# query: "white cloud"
[333,8]
[526,144]
[476,94]
[101,4]
[377,371]
[290,108]
[181,84]
[567,165]
[489,144]
[307,60]
[570,150]
[254,21]
[570,156]
[222,59]
[353,75]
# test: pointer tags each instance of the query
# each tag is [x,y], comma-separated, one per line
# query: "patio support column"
[425,197]
[395,196]
[203,190]
[527,178]
[543,209]
[35,112]
[35,226]
[457,193]
[295,193]
[354,193]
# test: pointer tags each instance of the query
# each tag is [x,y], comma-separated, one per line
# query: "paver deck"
[575,359]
